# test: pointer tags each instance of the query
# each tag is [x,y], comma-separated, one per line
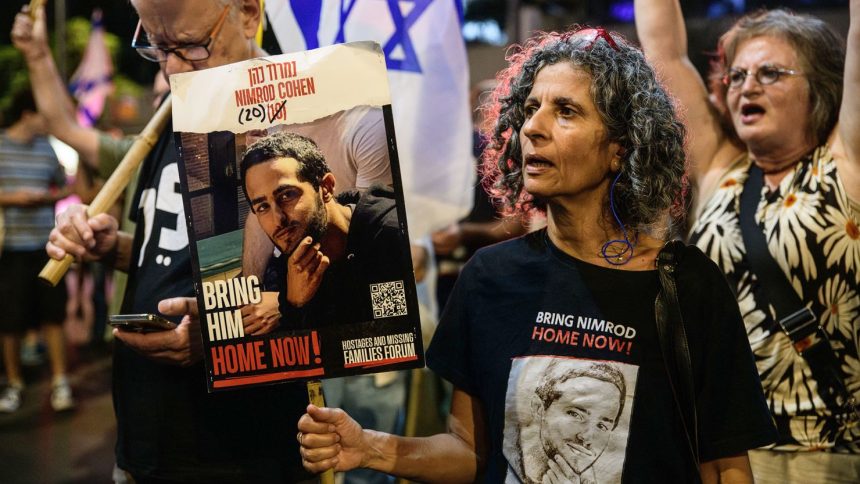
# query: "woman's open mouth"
[751,113]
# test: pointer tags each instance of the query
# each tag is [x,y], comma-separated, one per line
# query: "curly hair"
[820,51]
[637,112]
[312,166]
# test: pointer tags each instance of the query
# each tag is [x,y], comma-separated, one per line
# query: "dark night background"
[120,19]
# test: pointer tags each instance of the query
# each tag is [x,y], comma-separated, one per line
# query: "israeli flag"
[429,79]
[92,81]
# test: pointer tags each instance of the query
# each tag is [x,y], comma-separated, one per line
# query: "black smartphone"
[140,323]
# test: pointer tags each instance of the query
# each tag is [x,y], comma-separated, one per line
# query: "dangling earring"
[624,256]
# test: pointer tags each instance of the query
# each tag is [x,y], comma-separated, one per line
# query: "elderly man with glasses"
[169,428]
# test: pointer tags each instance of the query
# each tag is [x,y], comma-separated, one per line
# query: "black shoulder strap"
[778,290]
[795,319]
[673,342]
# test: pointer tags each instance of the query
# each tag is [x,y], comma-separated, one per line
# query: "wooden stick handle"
[316,397]
[35,5]
[54,270]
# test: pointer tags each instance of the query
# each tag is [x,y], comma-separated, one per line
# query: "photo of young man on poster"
[332,249]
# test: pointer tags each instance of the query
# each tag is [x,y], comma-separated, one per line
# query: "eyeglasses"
[765,75]
[189,52]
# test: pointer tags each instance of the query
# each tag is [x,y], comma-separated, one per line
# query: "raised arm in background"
[97,239]
[52,99]
[663,35]
[849,113]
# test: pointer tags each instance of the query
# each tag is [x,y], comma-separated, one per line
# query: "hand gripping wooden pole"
[54,270]
[315,396]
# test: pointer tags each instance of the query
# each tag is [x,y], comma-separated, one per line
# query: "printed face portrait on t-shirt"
[566,420]
[578,420]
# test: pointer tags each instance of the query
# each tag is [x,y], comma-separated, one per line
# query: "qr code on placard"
[388,298]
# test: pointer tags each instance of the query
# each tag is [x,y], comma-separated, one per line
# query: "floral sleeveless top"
[812,231]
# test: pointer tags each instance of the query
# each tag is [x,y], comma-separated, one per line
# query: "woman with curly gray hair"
[637,117]
[778,209]
[585,134]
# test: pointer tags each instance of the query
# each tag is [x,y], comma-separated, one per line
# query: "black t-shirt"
[564,357]
[168,426]
[375,253]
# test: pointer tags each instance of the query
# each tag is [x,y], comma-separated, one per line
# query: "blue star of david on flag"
[401,38]
[399,49]
[428,74]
